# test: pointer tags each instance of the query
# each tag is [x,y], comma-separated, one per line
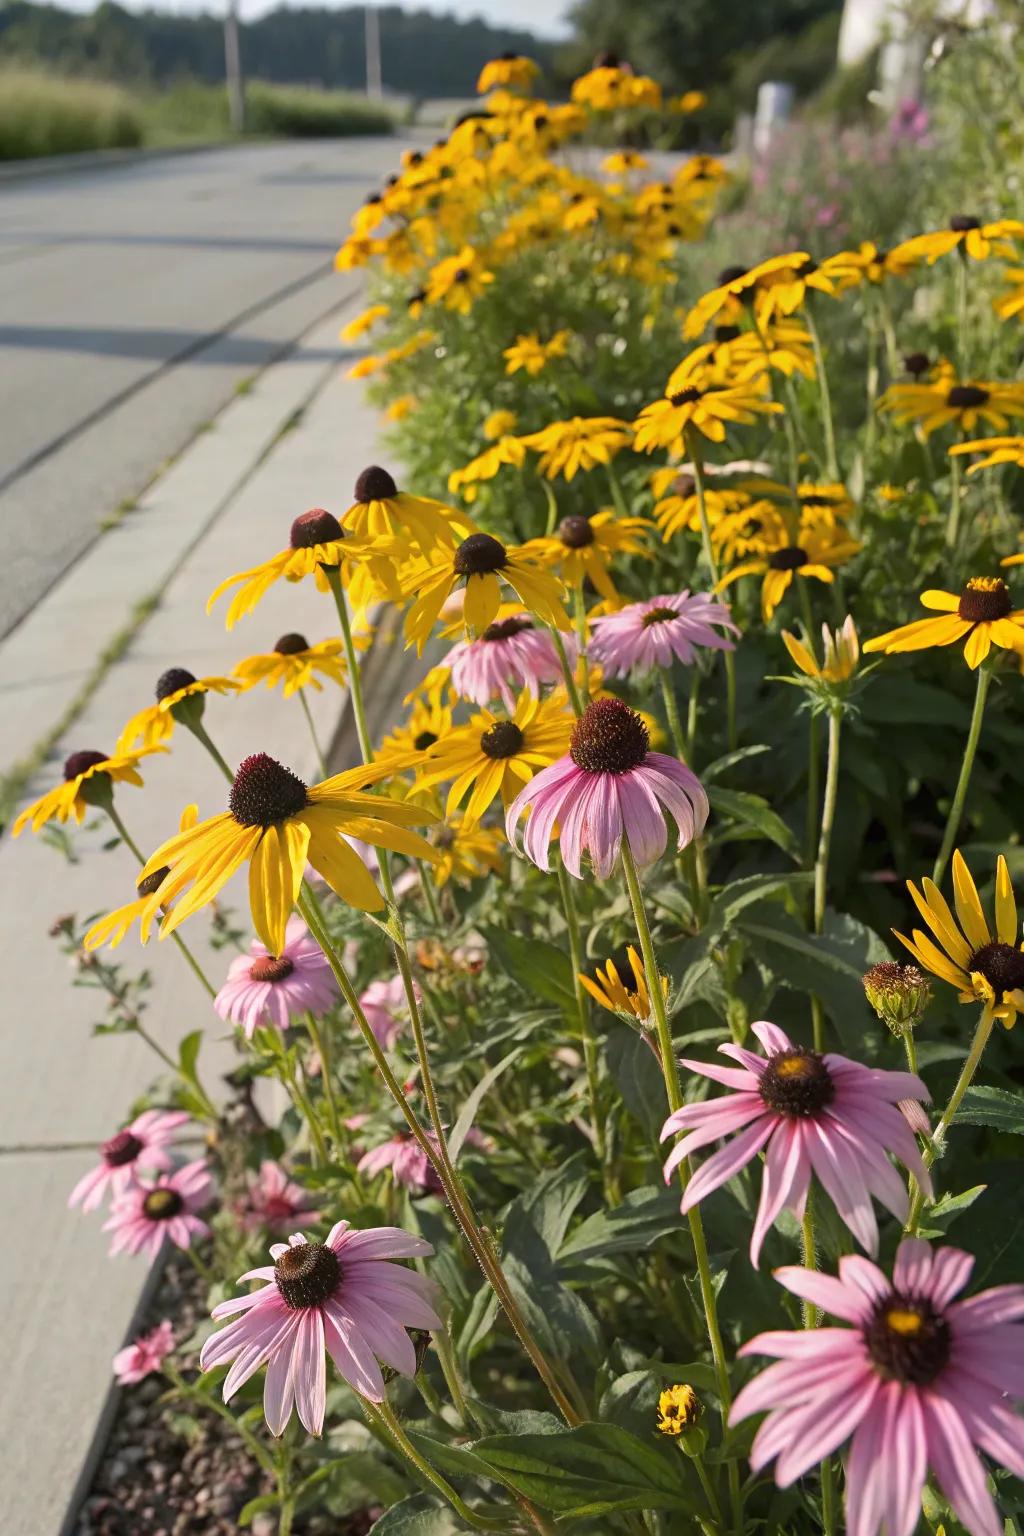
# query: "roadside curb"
[104,159]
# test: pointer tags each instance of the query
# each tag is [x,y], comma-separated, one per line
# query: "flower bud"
[680,1411]
[898,993]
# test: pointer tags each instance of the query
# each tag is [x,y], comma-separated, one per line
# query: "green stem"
[453,1381]
[214,1405]
[827,423]
[675,725]
[953,519]
[580,616]
[709,555]
[572,924]
[692,714]
[709,1492]
[567,677]
[385,1415]
[971,747]
[437,1152]
[961,313]
[828,815]
[201,734]
[828,1498]
[809,1249]
[355,681]
[892,354]
[616,490]
[963,1082]
[673,1092]
[429,894]
[319,1040]
[321,760]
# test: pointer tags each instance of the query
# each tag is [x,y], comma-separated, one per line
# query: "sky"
[544,17]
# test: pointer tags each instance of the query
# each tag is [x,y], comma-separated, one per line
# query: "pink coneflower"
[276,1202]
[652,633]
[408,1162]
[919,1380]
[264,989]
[143,1144]
[339,1295]
[609,783]
[384,1003]
[137,1361]
[509,656]
[825,1115]
[145,1214]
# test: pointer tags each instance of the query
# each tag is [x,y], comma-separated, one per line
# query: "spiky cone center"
[686,396]
[962,223]
[917,363]
[424,740]
[375,484]
[154,881]
[162,1203]
[480,555]
[80,762]
[501,740]
[575,532]
[684,485]
[173,681]
[789,558]
[317,526]
[507,629]
[797,1084]
[291,644]
[121,1149]
[731,275]
[964,397]
[264,792]
[306,1275]
[1002,967]
[909,1340]
[271,968]
[898,993]
[609,737]
[658,616]
[984,599]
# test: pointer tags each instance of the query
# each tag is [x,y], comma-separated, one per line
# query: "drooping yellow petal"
[384,834]
[934,908]
[275,875]
[944,602]
[339,864]
[482,601]
[932,958]
[979,643]
[232,852]
[799,654]
[968,905]
[1006,905]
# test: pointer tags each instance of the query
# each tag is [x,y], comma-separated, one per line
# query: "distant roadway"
[133,302]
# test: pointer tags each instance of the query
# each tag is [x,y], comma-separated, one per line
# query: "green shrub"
[188,110]
[41,114]
[299,112]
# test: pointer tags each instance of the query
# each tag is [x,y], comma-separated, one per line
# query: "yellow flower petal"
[968,905]
[934,908]
[1006,905]
[275,875]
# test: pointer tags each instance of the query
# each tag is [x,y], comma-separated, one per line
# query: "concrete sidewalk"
[297,440]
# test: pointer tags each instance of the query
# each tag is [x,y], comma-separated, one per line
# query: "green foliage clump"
[295,112]
[41,114]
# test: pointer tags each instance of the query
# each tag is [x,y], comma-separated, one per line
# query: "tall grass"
[42,114]
[45,114]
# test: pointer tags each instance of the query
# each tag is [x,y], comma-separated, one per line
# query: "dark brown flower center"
[1001,965]
[684,485]
[724,333]
[505,629]
[315,527]
[658,616]
[503,739]
[375,484]
[172,681]
[121,1149]
[424,740]
[575,532]
[271,968]
[908,1340]
[306,1275]
[162,1203]
[917,363]
[686,396]
[963,396]
[265,792]
[962,222]
[291,644]
[81,762]
[479,555]
[609,737]
[731,275]
[460,275]
[797,1083]
[154,881]
[418,297]
[791,558]
[819,499]
[984,600]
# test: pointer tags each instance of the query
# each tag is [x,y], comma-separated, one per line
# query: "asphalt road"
[133,302]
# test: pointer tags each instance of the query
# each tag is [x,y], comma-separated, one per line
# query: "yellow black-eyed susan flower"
[983,962]
[275,823]
[483,565]
[582,548]
[89,778]
[466,852]
[381,510]
[964,233]
[995,451]
[116,926]
[813,550]
[458,281]
[156,722]
[508,70]
[293,663]
[566,447]
[620,985]
[946,400]
[982,614]
[532,355]
[492,755]
[699,408]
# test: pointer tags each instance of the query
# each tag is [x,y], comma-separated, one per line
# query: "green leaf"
[643,1217]
[419,1516]
[830,964]
[535,1229]
[723,764]
[637,1076]
[256,1506]
[464,1124]
[754,813]
[594,1469]
[188,1054]
[735,897]
[993,1107]
[944,1212]
[534,965]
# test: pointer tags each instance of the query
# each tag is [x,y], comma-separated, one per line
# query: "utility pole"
[374,78]
[233,69]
